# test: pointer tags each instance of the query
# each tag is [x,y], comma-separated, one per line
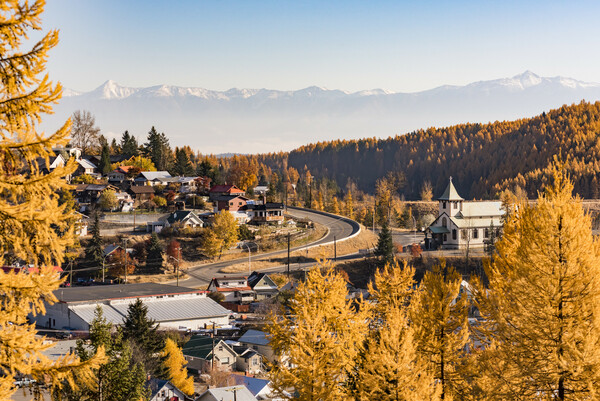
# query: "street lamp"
[250,253]
[178,262]
[415,232]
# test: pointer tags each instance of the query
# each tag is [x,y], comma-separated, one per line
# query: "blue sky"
[351,45]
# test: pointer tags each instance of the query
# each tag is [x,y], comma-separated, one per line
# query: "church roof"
[450,193]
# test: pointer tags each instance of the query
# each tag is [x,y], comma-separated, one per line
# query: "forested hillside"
[482,158]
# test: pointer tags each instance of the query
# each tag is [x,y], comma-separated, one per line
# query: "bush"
[244,233]
[160,201]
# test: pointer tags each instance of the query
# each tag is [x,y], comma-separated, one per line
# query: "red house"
[225,190]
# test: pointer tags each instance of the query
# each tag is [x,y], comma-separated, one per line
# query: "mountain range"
[263,120]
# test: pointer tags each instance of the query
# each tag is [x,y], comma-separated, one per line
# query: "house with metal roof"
[260,388]
[164,390]
[171,307]
[232,393]
[151,178]
[258,341]
[463,224]
[204,353]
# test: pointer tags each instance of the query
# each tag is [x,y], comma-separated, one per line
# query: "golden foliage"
[175,364]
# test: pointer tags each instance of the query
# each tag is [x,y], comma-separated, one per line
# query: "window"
[454,205]
[221,348]
[254,362]
[445,237]
[241,282]
[443,205]
[225,361]
[475,233]
[454,234]
[486,233]
[444,222]
[230,203]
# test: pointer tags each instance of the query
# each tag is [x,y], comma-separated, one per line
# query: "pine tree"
[158,150]
[143,331]
[94,252]
[33,227]
[385,245]
[129,145]
[154,260]
[183,166]
[175,362]
[321,338]
[542,308]
[105,166]
[440,318]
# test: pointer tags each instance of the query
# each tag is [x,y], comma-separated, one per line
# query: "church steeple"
[450,194]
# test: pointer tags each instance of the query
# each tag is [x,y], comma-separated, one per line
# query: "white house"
[164,390]
[170,306]
[461,224]
[234,289]
[151,178]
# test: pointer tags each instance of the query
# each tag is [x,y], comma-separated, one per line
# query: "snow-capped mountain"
[263,120]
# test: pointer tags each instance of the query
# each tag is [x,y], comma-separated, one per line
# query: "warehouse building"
[170,306]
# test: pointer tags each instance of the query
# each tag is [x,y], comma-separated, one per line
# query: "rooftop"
[256,337]
[108,292]
[450,193]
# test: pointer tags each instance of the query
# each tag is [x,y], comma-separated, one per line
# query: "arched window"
[444,222]
[443,205]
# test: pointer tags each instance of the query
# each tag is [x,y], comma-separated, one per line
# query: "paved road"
[339,228]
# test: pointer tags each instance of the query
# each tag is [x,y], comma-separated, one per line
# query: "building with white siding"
[170,306]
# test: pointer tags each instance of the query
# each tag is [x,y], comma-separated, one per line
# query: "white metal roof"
[254,337]
[232,393]
[480,209]
[161,310]
[476,222]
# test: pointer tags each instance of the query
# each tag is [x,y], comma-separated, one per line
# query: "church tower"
[450,201]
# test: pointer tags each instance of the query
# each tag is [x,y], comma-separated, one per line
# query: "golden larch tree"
[33,227]
[320,339]
[543,304]
[175,362]
[391,369]
[439,314]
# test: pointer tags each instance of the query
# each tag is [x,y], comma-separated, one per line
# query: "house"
[260,388]
[150,178]
[261,190]
[118,175]
[90,193]
[232,393]
[125,201]
[262,285]
[53,162]
[81,226]
[257,340]
[234,289]
[185,218]
[225,190]
[461,224]
[164,390]
[141,193]
[203,353]
[85,166]
[234,204]
[268,212]
[170,306]
[248,360]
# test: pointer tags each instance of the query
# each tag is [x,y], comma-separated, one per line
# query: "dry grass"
[365,240]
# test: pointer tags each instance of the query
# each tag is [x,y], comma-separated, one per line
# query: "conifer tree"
[542,306]
[349,206]
[321,338]
[129,145]
[139,329]
[183,166]
[440,320]
[390,367]
[385,245]
[154,260]
[33,227]
[94,252]
[158,150]
[175,362]
[105,166]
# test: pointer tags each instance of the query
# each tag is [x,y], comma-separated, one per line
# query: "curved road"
[339,228]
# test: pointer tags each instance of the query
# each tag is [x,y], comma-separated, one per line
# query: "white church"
[461,223]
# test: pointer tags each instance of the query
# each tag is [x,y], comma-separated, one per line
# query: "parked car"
[24,382]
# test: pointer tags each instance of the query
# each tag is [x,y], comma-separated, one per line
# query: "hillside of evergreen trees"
[483,159]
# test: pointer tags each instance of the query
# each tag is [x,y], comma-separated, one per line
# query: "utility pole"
[178,262]
[288,260]
[125,265]
[134,220]
[71,274]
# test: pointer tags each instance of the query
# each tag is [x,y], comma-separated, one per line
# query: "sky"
[400,46]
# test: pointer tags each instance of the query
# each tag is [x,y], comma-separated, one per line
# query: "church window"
[443,205]
[454,234]
[475,233]
[444,222]
[445,237]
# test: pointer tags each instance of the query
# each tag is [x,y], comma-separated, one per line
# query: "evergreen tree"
[349,206]
[94,252]
[129,145]
[158,150]
[105,167]
[120,378]
[175,362]
[541,311]
[154,260]
[114,147]
[321,338]
[183,166]
[440,318]
[143,331]
[385,245]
